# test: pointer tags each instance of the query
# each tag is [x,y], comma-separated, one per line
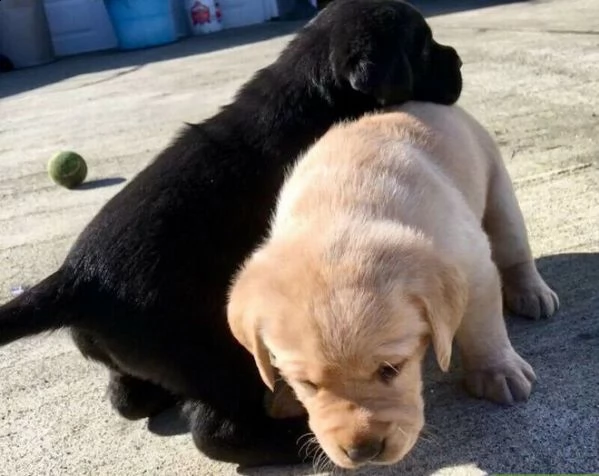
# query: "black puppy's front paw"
[249,441]
[135,399]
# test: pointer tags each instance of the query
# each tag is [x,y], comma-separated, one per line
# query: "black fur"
[144,287]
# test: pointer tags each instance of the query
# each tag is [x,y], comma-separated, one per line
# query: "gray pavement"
[531,75]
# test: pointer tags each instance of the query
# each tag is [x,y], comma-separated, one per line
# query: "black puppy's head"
[385,49]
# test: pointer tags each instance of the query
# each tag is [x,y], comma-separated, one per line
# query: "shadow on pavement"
[431,8]
[540,436]
[100,183]
[560,419]
[19,81]
[22,80]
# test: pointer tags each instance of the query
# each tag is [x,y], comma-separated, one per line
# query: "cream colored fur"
[392,231]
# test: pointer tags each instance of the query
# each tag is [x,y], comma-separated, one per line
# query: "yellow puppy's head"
[346,321]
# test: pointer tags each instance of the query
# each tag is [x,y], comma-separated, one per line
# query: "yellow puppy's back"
[416,164]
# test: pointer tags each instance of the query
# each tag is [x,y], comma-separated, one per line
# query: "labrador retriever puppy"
[143,290]
[393,231]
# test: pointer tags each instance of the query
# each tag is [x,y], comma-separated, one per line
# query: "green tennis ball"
[67,169]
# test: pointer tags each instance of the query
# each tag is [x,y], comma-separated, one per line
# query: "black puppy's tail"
[37,310]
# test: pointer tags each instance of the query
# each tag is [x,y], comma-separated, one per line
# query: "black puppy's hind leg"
[131,397]
[134,399]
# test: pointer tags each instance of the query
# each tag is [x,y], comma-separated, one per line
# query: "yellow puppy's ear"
[245,329]
[262,358]
[244,323]
[444,302]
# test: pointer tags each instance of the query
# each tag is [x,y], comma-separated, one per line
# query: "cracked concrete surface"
[531,75]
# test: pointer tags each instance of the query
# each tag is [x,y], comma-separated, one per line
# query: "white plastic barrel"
[24,33]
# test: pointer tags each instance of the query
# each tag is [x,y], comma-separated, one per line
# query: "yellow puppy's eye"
[388,372]
[309,385]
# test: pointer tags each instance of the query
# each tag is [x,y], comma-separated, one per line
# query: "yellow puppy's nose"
[365,451]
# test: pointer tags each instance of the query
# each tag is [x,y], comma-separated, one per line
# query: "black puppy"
[143,290]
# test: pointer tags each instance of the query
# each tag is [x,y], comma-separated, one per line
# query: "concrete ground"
[531,75]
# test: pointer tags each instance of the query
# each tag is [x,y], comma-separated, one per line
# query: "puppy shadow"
[554,432]
[170,422]
[551,433]
[101,183]
[297,470]
[575,279]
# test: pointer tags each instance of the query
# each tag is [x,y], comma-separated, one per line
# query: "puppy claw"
[526,293]
[536,301]
[505,383]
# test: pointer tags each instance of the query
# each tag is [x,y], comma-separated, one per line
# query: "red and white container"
[204,16]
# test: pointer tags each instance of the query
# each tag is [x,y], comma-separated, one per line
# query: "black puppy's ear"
[389,81]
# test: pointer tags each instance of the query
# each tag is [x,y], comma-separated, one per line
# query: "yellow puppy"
[391,232]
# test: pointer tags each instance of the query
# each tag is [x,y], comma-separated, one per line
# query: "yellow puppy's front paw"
[507,380]
[526,293]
